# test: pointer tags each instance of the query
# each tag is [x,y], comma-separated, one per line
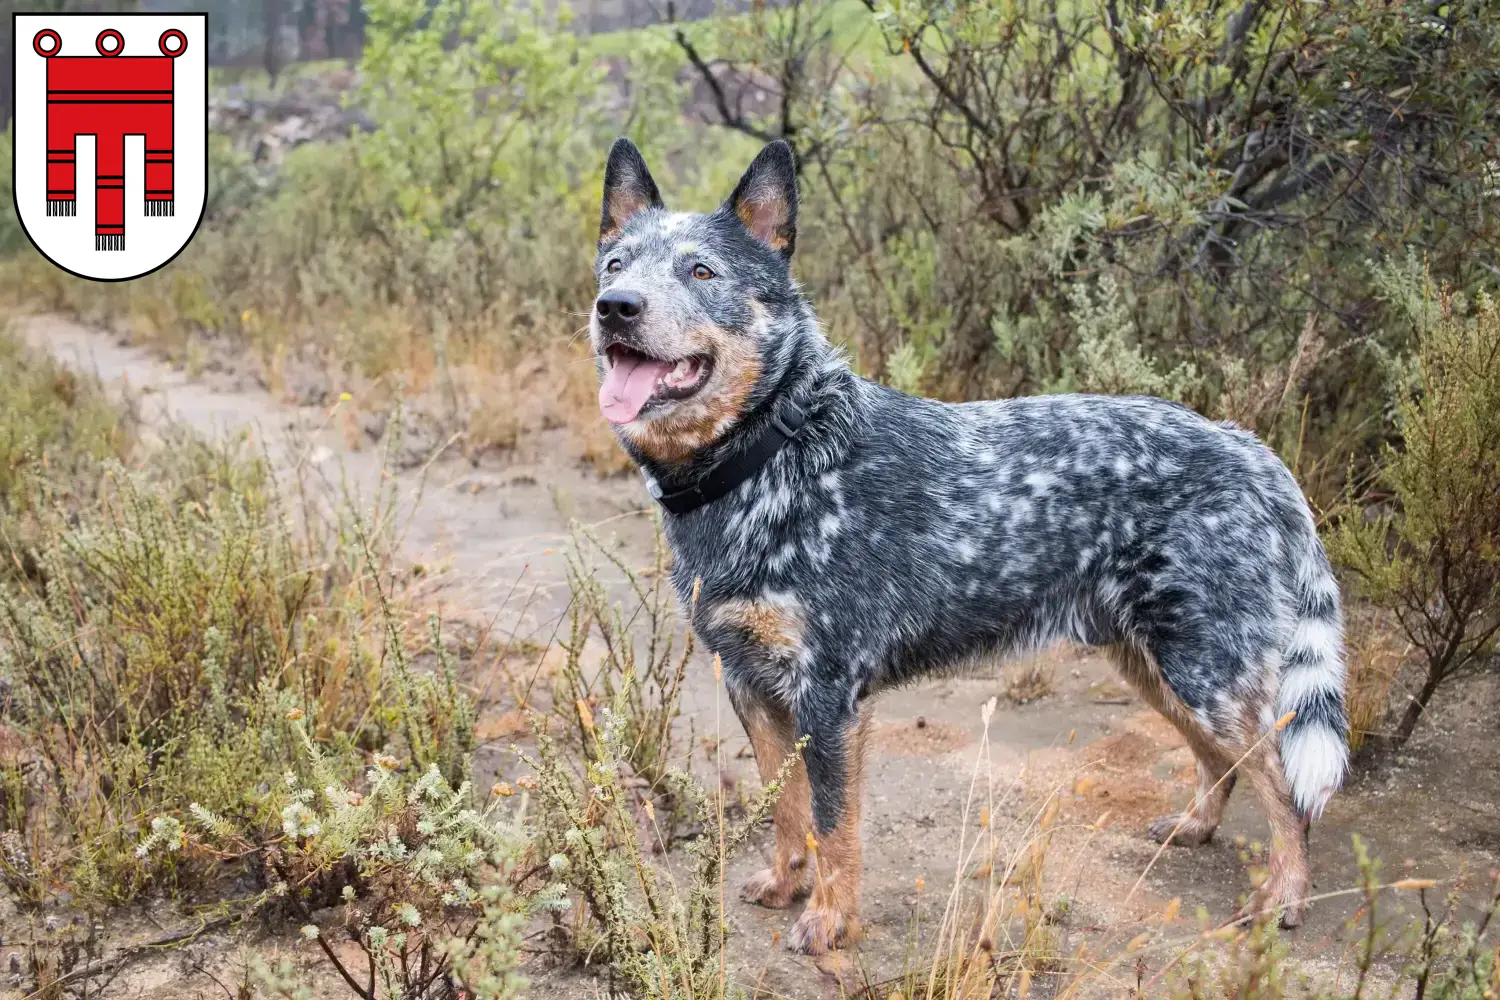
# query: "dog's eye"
[614,265]
[701,272]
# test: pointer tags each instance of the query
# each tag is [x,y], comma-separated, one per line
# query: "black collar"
[733,471]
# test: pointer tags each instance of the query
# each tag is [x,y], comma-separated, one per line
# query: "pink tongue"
[627,386]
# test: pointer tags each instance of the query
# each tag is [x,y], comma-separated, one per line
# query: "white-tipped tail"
[1315,760]
[1314,745]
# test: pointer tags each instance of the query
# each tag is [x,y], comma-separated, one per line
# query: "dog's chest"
[770,539]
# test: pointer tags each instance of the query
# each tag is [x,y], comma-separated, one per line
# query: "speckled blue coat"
[897,536]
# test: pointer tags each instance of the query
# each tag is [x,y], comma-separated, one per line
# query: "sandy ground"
[495,535]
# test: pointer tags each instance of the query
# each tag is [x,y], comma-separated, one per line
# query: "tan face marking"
[702,419]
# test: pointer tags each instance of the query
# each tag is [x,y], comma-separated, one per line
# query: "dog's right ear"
[628,189]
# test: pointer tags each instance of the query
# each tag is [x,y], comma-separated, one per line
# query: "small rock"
[478,483]
[373,424]
[419,440]
[306,385]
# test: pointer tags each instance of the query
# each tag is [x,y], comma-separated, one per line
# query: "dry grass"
[1028,678]
[491,384]
[1006,931]
[999,924]
[1375,651]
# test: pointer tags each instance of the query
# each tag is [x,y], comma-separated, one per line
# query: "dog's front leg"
[835,756]
[772,732]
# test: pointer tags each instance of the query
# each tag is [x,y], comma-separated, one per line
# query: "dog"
[833,537]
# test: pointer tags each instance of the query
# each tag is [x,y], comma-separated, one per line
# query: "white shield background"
[149,242]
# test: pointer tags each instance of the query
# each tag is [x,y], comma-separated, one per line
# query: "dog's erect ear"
[766,198]
[628,188]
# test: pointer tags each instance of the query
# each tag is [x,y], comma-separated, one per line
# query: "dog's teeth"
[678,374]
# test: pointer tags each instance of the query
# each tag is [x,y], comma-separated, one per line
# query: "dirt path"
[499,531]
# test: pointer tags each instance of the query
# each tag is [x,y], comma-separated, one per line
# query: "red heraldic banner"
[142,85]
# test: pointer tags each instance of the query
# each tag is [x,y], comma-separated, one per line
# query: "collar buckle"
[791,425]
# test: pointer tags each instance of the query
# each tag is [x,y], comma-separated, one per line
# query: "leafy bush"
[426,884]
[1176,198]
[1431,557]
[159,629]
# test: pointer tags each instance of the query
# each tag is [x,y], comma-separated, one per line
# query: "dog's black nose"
[618,308]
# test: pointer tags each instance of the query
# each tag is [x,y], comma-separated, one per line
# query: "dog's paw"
[1285,901]
[765,888]
[1191,832]
[820,930]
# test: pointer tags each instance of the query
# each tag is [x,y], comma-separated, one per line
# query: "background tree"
[1010,196]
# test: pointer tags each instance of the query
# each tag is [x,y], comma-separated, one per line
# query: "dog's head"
[684,324]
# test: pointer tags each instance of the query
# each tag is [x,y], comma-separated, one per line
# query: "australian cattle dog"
[834,537]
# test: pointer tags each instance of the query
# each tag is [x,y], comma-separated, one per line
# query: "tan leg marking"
[1197,825]
[1286,885]
[1287,882]
[832,915]
[772,737]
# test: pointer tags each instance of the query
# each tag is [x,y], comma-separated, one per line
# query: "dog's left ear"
[766,198]
[628,189]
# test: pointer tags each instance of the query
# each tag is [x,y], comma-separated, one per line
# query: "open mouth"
[636,382]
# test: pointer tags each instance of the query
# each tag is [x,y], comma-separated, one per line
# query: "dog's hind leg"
[1198,823]
[1248,751]
[1286,883]
[836,772]
[771,733]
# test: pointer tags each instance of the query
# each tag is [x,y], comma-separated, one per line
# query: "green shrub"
[1430,554]
[428,884]
[1175,197]
[161,627]
[54,418]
